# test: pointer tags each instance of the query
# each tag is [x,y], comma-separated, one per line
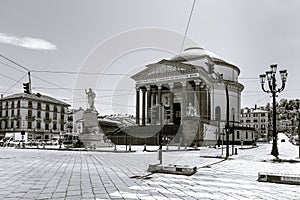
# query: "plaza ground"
[54,174]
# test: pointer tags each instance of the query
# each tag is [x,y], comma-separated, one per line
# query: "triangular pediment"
[163,68]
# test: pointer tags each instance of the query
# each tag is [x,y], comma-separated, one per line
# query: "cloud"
[26,42]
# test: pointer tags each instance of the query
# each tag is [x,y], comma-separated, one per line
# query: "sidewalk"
[40,174]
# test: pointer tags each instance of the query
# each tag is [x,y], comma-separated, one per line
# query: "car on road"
[262,140]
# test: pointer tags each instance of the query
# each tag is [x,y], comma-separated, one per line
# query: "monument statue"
[91,98]
[191,111]
[92,135]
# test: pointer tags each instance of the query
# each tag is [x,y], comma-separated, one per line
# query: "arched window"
[232,114]
[218,113]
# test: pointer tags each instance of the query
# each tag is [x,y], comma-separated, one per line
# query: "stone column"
[171,102]
[154,96]
[208,104]
[203,102]
[183,101]
[143,106]
[148,104]
[137,106]
[159,87]
[197,96]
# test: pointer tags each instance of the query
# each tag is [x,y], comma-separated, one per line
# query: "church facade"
[188,90]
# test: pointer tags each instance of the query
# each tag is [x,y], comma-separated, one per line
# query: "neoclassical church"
[188,91]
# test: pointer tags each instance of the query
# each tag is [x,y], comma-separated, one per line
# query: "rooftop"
[36,97]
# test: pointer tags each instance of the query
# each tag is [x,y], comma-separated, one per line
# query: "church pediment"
[163,68]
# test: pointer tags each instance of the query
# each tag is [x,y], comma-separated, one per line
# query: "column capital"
[137,88]
[171,85]
[183,83]
[197,81]
[148,87]
[159,86]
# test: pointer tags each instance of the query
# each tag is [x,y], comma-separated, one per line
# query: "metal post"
[299,133]
[274,146]
[160,138]
[227,121]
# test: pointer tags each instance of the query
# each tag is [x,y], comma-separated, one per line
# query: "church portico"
[185,91]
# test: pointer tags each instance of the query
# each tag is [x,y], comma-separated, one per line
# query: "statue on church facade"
[191,111]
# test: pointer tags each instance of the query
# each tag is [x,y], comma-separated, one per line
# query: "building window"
[29,104]
[218,113]
[38,125]
[263,114]
[47,126]
[19,104]
[238,135]
[62,127]
[55,109]
[18,124]
[47,107]
[12,124]
[39,106]
[18,112]
[38,114]
[29,125]
[6,105]
[12,104]
[6,113]
[29,113]
[54,126]
[246,135]
[54,115]
[47,115]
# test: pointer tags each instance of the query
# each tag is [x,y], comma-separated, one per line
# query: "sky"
[73,45]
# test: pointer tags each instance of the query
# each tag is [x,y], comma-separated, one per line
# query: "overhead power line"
[15,63]
[187,26]
[80,73]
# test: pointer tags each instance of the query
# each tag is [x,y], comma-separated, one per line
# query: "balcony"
[47,120]
[30,118]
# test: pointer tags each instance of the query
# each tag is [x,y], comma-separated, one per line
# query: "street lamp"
[227,128]
[273,90]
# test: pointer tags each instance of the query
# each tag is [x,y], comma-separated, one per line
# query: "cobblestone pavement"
[45,174]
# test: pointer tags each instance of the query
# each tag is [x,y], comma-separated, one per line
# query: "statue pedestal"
[92,136]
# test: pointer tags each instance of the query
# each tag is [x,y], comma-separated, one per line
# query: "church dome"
[197,53]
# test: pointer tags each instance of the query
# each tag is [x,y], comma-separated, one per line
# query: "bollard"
[167,147]
[43,145]
[145,147]
[179,146]
[115,148]
[129,147]
[185,146]
[94,146]
[235,151]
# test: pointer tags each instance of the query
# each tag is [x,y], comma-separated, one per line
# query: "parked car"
[262,140]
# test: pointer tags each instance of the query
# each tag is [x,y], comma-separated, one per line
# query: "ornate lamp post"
[273,90]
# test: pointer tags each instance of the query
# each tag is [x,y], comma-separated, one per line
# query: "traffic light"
[26,87]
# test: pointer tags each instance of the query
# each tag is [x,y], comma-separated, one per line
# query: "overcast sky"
[119,37]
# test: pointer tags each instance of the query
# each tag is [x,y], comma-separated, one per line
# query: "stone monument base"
[92,136]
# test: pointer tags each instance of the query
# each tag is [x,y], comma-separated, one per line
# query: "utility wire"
[12,67]
[15,83]
[187,26]
[15,63]
[77,73]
